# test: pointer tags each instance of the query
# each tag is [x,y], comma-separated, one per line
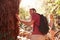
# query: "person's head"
[8,20]
[32,10]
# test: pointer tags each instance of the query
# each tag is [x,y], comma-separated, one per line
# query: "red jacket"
[36,24]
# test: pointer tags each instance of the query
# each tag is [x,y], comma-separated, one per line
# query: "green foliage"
[58,11]
[23,13]
[58,2]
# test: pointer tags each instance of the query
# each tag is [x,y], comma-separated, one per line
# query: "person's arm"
[27,23]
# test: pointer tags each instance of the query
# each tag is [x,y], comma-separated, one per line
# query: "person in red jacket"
[35,20]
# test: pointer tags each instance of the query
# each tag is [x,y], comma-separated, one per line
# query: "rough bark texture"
[8,20]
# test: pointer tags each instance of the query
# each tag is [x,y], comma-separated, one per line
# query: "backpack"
[43,27]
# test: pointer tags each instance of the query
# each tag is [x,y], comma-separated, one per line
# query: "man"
[35,20]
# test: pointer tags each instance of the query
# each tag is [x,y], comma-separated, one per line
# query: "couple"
[35,20]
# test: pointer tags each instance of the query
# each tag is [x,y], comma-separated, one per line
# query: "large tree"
[8,21]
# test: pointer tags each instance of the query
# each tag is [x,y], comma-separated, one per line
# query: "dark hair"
[8,20]
[33,9]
